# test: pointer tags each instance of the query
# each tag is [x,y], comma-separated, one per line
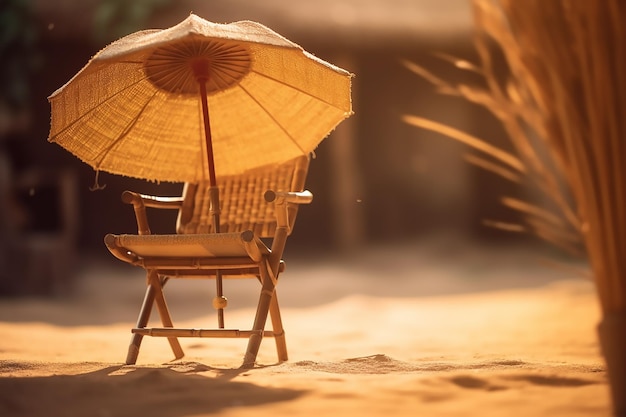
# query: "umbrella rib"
[273,118]
[88,112]
[127,129]
[297,89]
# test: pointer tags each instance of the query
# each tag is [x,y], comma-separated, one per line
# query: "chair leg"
[142,321]
[277,327]
[154,292]
[265,299]
[164,313]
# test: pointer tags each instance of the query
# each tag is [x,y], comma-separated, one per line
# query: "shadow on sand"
[169,391]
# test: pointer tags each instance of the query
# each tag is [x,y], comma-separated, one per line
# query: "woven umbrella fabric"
[134,109]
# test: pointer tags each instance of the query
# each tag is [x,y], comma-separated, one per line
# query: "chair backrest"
[242,204]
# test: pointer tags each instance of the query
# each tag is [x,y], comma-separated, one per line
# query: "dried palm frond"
[566,93]
[525,165]
[568,65]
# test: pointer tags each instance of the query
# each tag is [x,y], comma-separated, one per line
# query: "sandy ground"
[433,330]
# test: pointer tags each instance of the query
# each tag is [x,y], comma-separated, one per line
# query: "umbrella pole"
[201,71]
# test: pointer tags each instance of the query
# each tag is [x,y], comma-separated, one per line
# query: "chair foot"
[133,353]
[281,347]
[179,356]
[254,343]
[176,348]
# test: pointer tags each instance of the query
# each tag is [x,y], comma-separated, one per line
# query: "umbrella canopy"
[135,110]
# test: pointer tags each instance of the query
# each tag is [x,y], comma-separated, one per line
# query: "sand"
[408,331]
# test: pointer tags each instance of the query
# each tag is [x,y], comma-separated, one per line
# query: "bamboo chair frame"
[256,207]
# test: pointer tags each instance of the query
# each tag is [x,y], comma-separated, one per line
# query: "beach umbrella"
[197,101]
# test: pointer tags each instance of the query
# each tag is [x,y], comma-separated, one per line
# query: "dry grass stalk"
[565,92]
[567,60]
[524,166]
[567,88]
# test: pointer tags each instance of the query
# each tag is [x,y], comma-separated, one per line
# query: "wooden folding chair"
[260,204]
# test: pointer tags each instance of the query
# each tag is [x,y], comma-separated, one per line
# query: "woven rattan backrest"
[241,200]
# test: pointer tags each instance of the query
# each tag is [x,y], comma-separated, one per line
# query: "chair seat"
[211,246]
[222,245]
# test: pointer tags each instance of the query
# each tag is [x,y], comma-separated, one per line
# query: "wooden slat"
[214,333]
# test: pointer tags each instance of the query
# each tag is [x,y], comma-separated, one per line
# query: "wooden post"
[346,188]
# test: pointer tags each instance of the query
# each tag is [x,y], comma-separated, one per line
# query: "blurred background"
[376,180]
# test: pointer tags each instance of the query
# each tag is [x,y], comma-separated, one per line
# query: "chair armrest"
[282,200]
[281,197]
[130,197]
[141,201]
[284,209]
